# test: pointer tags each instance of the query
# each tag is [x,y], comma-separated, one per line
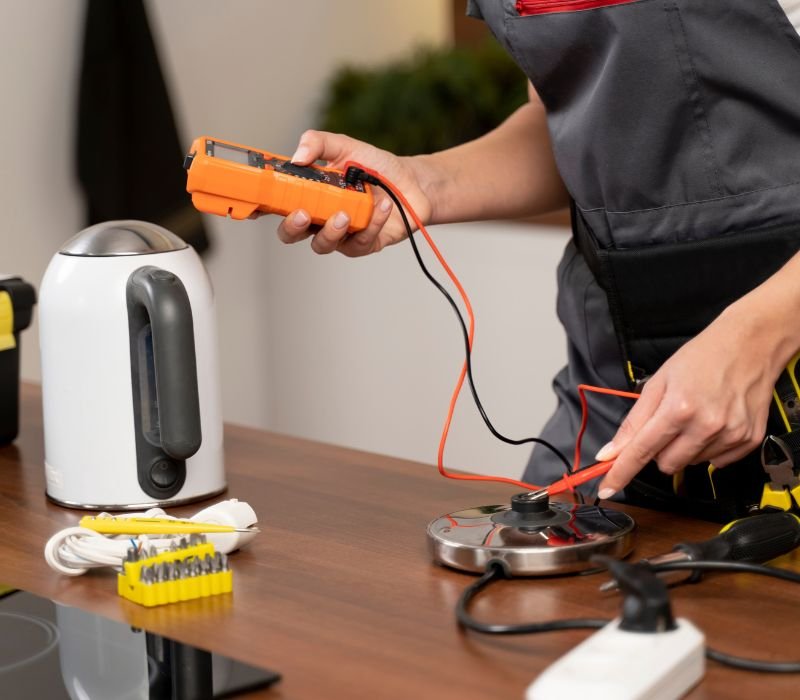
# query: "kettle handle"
[164,298]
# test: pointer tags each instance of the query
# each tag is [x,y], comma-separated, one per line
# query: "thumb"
[321,145]
[641,412]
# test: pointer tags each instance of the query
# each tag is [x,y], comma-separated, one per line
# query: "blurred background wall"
[356,352]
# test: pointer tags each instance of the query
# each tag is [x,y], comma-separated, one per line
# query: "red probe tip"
[569,481]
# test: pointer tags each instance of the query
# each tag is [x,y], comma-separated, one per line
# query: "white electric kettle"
[130,378]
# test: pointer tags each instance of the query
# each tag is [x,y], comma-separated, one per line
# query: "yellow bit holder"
[202,584]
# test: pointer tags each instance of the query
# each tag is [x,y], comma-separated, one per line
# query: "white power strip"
[615,664]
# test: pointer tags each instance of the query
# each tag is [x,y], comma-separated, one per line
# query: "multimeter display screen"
[237,155]
[256,159]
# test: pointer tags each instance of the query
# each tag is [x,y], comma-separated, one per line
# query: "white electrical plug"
[615,664]
[232,512]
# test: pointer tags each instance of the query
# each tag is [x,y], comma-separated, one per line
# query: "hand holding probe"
[756,539]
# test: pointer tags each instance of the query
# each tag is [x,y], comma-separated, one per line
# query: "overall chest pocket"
[542,7]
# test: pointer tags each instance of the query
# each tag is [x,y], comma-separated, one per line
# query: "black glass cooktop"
[56,652]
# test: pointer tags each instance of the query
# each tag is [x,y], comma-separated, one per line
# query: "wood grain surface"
[339,594]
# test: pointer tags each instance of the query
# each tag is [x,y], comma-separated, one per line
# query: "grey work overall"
[676,129]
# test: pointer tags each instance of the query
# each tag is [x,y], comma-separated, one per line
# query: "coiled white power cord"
[74,550]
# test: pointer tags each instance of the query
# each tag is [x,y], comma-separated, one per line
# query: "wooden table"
[339,594]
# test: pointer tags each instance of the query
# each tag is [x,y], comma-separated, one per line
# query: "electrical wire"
[582,389]
[468,332]
[74,550]
[758,665]
[739,662]
[495,571]
[738,567]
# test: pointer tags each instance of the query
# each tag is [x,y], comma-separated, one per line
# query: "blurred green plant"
[437,99]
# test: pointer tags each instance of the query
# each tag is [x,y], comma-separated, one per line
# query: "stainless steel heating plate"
[530,538]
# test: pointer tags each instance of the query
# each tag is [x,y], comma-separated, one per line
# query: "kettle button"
[164,473]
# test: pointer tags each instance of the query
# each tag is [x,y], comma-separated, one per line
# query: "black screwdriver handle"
[758,538]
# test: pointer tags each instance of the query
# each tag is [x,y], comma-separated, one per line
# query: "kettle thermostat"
[130,376]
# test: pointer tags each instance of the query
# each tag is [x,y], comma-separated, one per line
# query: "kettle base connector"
[531,510]
[530,536]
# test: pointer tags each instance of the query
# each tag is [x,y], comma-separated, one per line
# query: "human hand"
[385,226]
[708,402]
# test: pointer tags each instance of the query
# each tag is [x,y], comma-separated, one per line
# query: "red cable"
[569,481]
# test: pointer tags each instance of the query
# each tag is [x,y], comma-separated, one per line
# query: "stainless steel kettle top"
[127,237]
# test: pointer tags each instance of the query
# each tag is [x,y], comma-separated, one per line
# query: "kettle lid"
[127,237]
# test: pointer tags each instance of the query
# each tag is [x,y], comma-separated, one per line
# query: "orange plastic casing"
[228,188]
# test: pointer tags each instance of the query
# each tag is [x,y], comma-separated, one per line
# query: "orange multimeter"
[227,178]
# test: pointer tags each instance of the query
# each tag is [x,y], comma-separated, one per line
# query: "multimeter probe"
[229,179]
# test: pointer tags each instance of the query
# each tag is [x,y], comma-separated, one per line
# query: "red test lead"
[569,481]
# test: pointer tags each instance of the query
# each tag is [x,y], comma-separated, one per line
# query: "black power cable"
[355,173]
[740,567]
[739,662]
[758,665]
[494,572]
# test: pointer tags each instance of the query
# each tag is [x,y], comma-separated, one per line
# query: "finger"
[331,234]
[703,430]
[732,441]
[295,227]
[732,455]
[653,437]
[644,408]
[321,145]
[737,440]
[711,435]
[364,242]
[680,453]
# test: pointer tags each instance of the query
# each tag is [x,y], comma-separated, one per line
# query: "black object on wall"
[129,154]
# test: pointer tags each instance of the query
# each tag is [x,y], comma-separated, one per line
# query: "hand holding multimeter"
[229,179]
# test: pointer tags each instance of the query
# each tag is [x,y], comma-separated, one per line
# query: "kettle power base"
[560,543]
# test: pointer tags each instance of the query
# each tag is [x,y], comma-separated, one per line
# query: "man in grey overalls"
[672,127]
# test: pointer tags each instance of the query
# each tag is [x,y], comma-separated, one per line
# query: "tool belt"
[662,296]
